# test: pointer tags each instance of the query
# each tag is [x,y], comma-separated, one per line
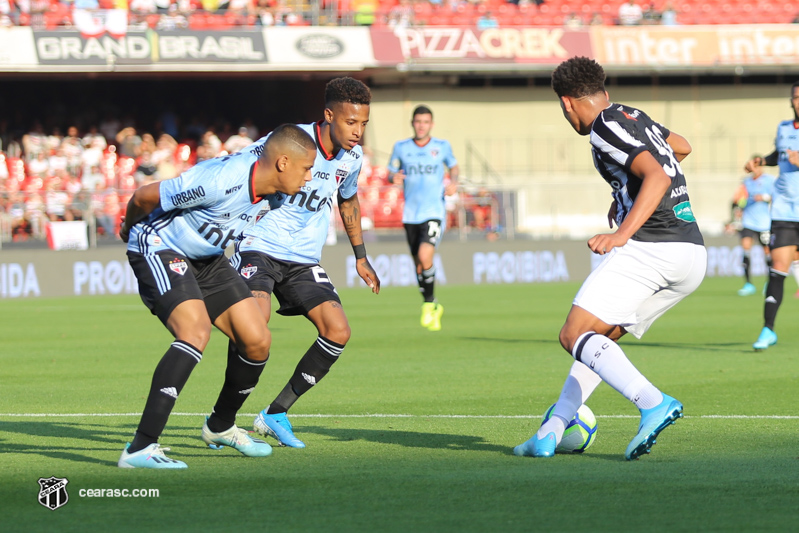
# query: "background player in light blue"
[784,216]
[419,165]
[281,253]
[752,199]
[177,231]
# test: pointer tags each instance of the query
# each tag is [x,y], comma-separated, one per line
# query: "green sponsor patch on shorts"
[683,212]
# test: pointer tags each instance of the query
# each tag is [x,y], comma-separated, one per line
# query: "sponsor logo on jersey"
[234,189]
[309,200]
[248,271]
[354,154]
[630,117]
[226,215]
[420,169]
[684,212]
[188,196]
[321,175]
[679,191]
[178,266]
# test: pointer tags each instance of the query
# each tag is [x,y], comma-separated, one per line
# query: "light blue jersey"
[756,215]
[785,204]
[424,168]
[205,209]
[297,231]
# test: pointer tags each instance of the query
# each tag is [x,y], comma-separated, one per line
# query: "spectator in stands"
[630,14]
[92,179]
[650,16]
[53,141]
[147,143]
[55,201]
[487,21]
[20,226]
[210,146]
[597,19]
[669,16]
[92,156]
[94,138]
[572,20]
[58,161]
[40,166]
[264,12]
[128,142]
[401,15]
[172,20]
[147,170]
[164,149]
[142,8]
[34,141]
[238,141]
[364,11]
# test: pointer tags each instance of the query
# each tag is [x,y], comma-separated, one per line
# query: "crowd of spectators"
[90,175]
[219,14]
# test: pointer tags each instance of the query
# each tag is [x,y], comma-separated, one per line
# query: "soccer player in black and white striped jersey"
[655,258]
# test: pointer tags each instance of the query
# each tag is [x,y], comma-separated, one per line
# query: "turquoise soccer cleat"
[747,290]
[150,457]
[767,338]
[238,439]
[537,448]
[653,421]
[278,426]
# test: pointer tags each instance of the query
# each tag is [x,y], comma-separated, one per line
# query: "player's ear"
[566,103]
[328,115]
[282,162]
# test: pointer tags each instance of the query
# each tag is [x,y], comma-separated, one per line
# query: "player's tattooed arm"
[350,209]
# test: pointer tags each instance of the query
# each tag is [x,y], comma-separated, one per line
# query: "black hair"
[346,91]
[794,86]
[421,110]
[292,133]
[578,77]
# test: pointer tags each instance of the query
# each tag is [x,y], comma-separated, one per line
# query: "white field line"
[376,415]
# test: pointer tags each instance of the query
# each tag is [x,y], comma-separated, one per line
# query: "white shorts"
[640,281]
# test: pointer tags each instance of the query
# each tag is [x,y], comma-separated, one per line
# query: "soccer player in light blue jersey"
[177,231]
[419,165]
[784,241]
[752,199]
[281,253]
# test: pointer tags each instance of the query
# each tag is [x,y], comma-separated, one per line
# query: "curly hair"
[578,77]
[347,90]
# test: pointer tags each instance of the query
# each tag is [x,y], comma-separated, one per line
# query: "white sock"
[579,385]
[607,359]
[795,270]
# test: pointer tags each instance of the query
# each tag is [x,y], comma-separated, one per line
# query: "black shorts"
[763,237]
[428,231]
[299,287]
[783,234]
[167,279]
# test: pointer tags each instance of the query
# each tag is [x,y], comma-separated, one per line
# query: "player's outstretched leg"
[653,421]
[766,338]
[238,439]
[150,457]
[277,425]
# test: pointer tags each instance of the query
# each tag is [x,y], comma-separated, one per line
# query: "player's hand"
[612,214]
[124,231]
[793,157]
[450,189]
[753,163]
[603,243]
[398,178]
[368,274]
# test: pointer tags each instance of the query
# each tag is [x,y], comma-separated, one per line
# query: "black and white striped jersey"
[617,136]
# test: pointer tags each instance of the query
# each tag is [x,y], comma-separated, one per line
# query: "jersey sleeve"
[190,189]
[394,162]
[349,187]
[611,138]
[449,157]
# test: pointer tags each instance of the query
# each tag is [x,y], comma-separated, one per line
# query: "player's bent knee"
[339,333]
[258,350]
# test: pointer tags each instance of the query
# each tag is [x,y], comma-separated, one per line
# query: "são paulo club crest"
[248,271]
[178,266]
[53,492]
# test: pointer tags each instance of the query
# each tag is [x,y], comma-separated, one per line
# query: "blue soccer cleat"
[653,421]
[151,456]
[747,290]
[238,439]
[278,426]
[767,338]
[537,448]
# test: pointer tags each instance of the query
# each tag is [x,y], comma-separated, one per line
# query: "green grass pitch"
[411,430]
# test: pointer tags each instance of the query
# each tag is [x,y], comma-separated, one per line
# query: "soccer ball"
[579,434]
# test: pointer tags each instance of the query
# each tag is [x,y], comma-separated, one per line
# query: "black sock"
[169,378]
[241,377]
[746,262]
[776,282]
[313,366]
[427,281]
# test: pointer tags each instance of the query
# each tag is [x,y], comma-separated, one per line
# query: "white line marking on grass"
[376,415]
